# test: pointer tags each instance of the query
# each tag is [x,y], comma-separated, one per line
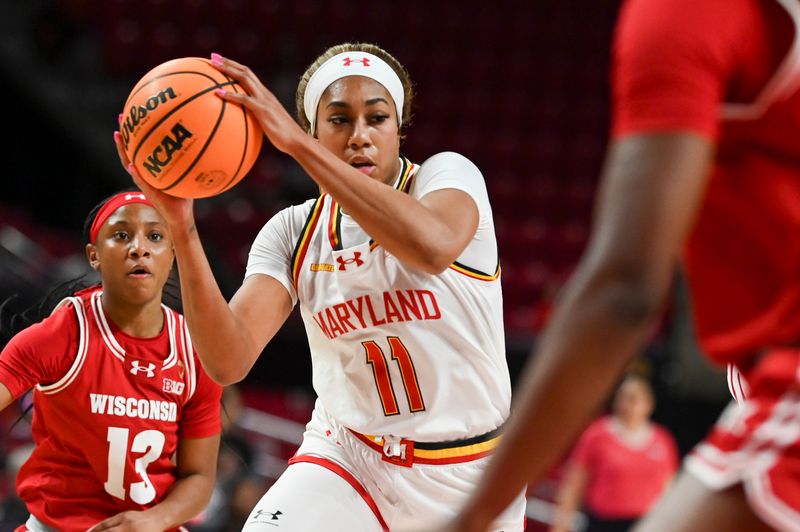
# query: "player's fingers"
[236,97]
[143,185]
[239,72]
[104,525]
[123,156]
[257,106]
[229,66]
[131,169]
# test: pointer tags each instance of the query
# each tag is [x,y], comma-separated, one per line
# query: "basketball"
[182,138]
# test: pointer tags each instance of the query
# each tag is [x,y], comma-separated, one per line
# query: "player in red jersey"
[705,163]
[118,391]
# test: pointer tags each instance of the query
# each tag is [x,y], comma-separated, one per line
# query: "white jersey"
[395,350]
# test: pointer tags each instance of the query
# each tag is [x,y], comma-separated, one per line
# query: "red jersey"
[624,478]
[108,412]
[731,73]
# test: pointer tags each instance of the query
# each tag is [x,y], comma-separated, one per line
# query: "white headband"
[351,64]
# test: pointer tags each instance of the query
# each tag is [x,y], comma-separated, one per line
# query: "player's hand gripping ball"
[181,137]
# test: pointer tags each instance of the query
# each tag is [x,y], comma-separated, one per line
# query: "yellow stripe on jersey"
[405,174]
[475,274]
[305,238]
[456,452]
[442,454]
[335,225]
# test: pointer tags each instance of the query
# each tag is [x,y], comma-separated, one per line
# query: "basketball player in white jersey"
[395,268]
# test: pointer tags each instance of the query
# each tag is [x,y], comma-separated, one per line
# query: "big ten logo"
[172,386]
[163,153]
[138,113]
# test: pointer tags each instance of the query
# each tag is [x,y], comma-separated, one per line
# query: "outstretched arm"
[228,339]
[652,187]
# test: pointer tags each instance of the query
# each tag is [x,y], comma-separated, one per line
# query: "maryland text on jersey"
[372,310]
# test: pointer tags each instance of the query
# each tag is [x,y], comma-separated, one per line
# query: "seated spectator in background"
[620,465]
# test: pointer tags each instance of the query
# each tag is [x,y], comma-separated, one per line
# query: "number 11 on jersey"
[380,370]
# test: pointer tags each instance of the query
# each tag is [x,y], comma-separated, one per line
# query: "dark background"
[521,88]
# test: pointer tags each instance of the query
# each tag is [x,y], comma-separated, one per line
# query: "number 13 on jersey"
[383,380]
[149,442]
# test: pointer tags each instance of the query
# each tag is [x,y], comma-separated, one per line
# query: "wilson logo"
[139,112]
[163,153]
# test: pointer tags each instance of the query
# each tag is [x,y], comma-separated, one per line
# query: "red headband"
[114,203]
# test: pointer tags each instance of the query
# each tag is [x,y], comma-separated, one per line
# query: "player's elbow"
[435,264]
[226,374]
[434,257]
[632,301]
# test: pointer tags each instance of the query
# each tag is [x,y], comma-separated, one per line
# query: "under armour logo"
[348,61]
[137,367]
[129,197]
[261,517]
[355,260]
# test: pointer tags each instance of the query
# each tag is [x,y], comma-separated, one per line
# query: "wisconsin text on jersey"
[115,405]
[370,311]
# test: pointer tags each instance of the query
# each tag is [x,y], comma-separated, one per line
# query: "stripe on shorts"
[332,466]
[442,453]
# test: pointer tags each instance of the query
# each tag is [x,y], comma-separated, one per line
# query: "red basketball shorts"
[757,442]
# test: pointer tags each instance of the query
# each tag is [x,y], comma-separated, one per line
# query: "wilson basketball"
[183,138]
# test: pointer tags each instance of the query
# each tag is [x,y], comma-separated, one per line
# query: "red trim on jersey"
[332,466]
[172,359]
[83,348]
[736,384]
[305,239]
[104,328]
[334,225]
[476,274]
[187,353]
